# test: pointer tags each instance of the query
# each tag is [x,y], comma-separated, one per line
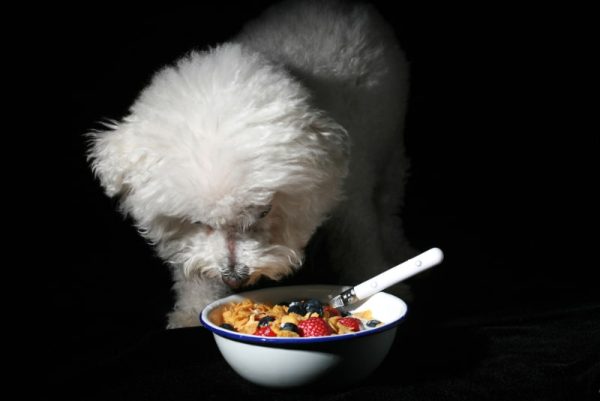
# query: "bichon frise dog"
[232,158]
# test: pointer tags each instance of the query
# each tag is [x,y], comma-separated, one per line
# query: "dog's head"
[224,166]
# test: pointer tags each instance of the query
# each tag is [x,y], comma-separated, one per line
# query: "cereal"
[284,320]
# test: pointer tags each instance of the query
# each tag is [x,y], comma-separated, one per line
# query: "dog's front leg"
[192,294]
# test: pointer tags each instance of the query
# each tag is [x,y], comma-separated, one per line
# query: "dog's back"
[348,58]
[342,51]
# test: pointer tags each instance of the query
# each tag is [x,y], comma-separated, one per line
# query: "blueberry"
[290,327]
[313,302]
[265,321]
[297,308]
[373,323]
[313,308]
[227,326]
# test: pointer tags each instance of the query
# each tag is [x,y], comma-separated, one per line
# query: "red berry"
[265,331]
[314,327]
[331,310]
[351,322]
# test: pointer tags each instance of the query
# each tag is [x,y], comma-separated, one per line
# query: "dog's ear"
[113,155]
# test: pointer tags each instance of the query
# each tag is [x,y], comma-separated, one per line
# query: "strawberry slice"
[314,327]
[351,322]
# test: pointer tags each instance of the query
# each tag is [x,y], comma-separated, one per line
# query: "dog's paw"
[183,318]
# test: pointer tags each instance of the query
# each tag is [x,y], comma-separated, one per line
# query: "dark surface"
[496,182]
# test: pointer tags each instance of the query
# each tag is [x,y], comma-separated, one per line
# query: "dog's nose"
[233,282]
[235,276]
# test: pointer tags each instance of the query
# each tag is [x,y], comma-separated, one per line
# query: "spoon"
[388,278]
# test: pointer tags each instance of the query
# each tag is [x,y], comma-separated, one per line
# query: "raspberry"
[351,322]
[265,331]
[314,327]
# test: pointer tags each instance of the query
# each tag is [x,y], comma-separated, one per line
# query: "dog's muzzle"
[235,278]
[233,282]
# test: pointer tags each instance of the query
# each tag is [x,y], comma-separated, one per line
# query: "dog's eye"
[265,212]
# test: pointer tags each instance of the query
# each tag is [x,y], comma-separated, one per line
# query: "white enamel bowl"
[283,362]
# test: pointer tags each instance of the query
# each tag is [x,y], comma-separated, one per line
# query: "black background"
[498,179]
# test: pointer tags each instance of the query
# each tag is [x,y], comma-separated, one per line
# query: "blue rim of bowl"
[232,335]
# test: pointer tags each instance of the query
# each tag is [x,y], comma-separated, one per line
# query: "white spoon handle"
[401,272]
[388,278]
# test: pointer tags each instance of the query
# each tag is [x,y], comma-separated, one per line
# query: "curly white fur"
[231,158]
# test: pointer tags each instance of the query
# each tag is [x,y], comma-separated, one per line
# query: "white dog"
[232,158]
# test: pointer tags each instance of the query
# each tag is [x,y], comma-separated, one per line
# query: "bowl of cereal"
[286,337]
